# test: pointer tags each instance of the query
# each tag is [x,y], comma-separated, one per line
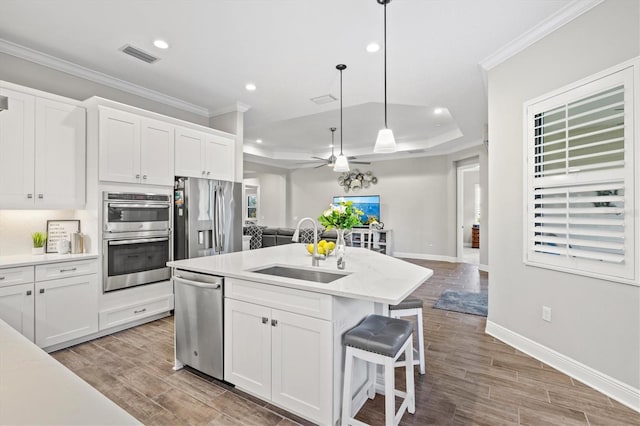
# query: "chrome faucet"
[315,258]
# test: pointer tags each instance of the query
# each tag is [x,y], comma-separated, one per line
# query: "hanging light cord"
[385,65]
[341,112]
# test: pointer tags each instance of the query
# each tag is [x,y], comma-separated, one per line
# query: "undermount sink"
[317,276]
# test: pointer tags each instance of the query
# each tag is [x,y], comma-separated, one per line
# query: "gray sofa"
[263,236]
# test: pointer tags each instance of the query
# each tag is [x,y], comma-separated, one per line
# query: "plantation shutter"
[580,188]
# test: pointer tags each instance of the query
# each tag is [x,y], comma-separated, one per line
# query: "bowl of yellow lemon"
[324,247]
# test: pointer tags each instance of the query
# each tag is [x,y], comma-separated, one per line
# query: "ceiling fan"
[331,161]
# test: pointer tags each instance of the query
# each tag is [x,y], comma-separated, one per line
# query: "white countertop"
[372,276]
[37,389]
[38,259]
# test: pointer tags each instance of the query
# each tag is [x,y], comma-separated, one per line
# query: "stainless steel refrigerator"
[207,217]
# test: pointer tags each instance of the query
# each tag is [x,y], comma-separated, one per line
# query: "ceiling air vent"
[324,99]
[416,151]
[139,54]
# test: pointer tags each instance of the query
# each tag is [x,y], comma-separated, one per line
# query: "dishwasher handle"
[197,283]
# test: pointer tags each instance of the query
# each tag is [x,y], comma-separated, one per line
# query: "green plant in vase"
[39,240]
[342,216]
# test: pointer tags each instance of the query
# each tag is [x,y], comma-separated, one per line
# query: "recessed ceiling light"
[161,44]
[438,111]
[258,140]
[373,47]
[250,87]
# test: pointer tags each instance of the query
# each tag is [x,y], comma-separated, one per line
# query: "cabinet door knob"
[203,172]
[208,173]
[41,196]
[274,323]
[144,176]
[41,290]
[29,196]
[265,320]
[28,292]
[137,176]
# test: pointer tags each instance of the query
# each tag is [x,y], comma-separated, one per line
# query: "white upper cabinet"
[17,145]
[156,152]
[119,146]
[219,157]
[135,149]
[43,143]
[60,154]
[189,147]
[200,154]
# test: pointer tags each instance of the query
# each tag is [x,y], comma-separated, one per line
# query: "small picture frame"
[60,230]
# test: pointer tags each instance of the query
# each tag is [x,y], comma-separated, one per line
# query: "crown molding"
[236,107]
[58,64]
[562,17]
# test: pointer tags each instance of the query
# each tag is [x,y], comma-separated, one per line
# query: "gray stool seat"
[379,334]
[408,303]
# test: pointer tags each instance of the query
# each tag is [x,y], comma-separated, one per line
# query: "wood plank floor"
[471,377]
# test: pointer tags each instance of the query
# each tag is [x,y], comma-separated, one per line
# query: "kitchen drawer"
[54,271]
[125,314]
[14,276]
[287,299]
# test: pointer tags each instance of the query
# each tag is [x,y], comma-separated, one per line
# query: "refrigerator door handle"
[222,218]
[215,219]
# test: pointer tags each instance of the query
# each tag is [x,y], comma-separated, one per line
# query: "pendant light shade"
[385,143]
[342,164]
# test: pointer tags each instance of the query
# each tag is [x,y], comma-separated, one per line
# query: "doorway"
[468,214]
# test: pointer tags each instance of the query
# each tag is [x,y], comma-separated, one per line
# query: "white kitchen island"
[283,336]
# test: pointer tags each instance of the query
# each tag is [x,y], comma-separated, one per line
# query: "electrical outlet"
[546,313]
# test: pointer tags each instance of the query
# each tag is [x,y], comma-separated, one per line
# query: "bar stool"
[409,307]
[380,340]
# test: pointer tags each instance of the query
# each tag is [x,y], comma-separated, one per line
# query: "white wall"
[16,227]
[25,73]
[272,193]
[595,322]
[418,200]
[471,178]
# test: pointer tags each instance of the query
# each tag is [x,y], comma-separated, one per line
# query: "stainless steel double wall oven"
[137,241]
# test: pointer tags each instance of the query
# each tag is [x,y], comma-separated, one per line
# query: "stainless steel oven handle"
[140,206]
[142,240]
[196,283]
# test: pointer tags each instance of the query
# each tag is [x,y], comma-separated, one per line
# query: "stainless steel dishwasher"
[198,321]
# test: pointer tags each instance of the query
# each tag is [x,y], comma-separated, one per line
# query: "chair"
[409,307]
[380,340]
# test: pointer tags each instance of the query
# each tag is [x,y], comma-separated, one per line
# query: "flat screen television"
[369,204]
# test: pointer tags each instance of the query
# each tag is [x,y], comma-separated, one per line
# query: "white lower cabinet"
[280,356]
[16,308]
[66,309]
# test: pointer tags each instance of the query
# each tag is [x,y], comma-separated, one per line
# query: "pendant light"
[385,143]
[342,165]
[332,159]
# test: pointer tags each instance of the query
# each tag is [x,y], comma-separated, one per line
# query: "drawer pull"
[41,290]
[28,292]
[29,196]
[265,320]
[41,196]
[68,270]
[274,323]
[1,278]
[140,311]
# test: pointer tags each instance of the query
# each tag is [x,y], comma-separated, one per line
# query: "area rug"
[463,301]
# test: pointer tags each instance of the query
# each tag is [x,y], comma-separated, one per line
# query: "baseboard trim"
[609,386]
[484,268]
[424,256]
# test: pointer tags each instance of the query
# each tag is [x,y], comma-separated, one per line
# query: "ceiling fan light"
[385,143]
[342,165]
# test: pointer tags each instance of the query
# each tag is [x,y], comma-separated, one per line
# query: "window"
[580,178]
